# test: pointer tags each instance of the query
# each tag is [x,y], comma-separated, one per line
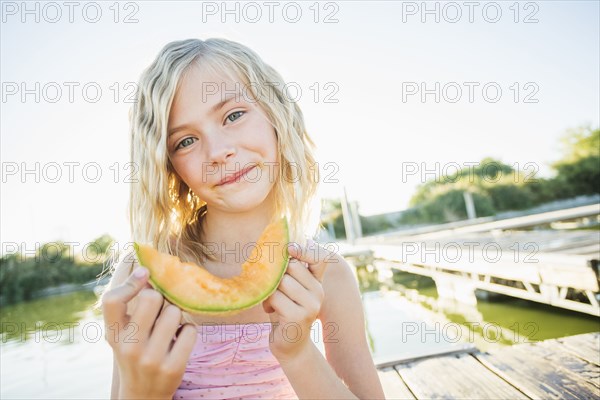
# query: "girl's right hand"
[151,364]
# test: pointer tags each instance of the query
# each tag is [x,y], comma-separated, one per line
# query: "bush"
[580,177]
[450,207]
[510,197]
[21,277]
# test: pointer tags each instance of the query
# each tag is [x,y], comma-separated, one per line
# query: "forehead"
[200,88]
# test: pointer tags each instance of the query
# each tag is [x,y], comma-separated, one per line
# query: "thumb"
[114,302]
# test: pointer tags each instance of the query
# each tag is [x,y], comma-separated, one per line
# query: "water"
[53,348]
[411,319]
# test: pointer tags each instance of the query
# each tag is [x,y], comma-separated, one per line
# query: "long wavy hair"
[163,210]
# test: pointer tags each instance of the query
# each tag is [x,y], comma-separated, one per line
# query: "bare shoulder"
[339,283]
[339,272]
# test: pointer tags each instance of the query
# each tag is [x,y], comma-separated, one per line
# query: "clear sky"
[373,58]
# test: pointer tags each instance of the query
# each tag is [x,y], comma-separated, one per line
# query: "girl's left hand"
[296,303]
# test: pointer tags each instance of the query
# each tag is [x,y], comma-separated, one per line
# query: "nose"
[219,149]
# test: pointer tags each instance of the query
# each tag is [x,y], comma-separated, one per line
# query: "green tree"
[98,249]
[52,265]
[578,172]
[580,143]
[510,197]
[579,177]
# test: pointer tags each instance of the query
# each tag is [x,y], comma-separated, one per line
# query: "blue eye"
[234,113]
[186,140]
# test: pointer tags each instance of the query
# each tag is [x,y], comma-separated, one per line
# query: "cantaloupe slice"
[195,290]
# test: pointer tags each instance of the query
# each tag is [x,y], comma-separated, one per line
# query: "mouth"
[235,178]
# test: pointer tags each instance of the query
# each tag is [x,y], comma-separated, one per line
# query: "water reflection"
[23,321]
[406,316]
[54,348]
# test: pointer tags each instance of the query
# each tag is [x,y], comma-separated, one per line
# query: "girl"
[210,115]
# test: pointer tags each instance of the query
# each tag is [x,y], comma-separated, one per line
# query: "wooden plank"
[542,371]
[556,302]
[532,220]
[478,225]
[391,360]
[568,270]
[579,277]
[465,261]
[455,377]
[494,287]
[585,346]
[393,386]
[592,249]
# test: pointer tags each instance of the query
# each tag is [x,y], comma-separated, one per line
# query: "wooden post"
[355,220]
[348,223]
[330,230]
[470,205]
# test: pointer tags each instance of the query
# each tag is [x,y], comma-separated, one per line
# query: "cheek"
[178,170]
[263,140]
[189,169]
[270,144]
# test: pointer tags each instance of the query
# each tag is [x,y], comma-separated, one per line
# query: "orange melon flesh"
[192,288]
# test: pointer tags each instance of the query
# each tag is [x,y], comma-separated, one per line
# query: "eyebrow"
[212,110]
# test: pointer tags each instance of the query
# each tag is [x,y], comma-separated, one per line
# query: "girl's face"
[215,132]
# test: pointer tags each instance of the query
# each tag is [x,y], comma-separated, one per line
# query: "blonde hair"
[162,207]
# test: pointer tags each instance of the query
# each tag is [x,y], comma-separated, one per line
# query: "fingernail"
[140,272]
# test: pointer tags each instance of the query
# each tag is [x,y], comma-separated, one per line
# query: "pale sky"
[372,60]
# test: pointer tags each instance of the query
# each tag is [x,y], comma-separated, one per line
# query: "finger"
[134,303]
[317,257]
[284,306]
[150,302]
[114,302]
[293,289]
[184,344]
[164,331]
[303,275]
[325,258]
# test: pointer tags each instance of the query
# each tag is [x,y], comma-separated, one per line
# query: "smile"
[237,177]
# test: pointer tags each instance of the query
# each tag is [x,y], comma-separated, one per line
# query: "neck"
[226,233]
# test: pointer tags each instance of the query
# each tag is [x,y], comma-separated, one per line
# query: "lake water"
[407,318]
[54,348]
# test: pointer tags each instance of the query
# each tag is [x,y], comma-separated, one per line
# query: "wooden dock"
[555,267]
[564,368]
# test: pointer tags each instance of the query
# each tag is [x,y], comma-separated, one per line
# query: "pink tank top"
[233,362]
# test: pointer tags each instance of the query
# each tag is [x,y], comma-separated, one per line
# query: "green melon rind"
[215,311]
[212,310]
